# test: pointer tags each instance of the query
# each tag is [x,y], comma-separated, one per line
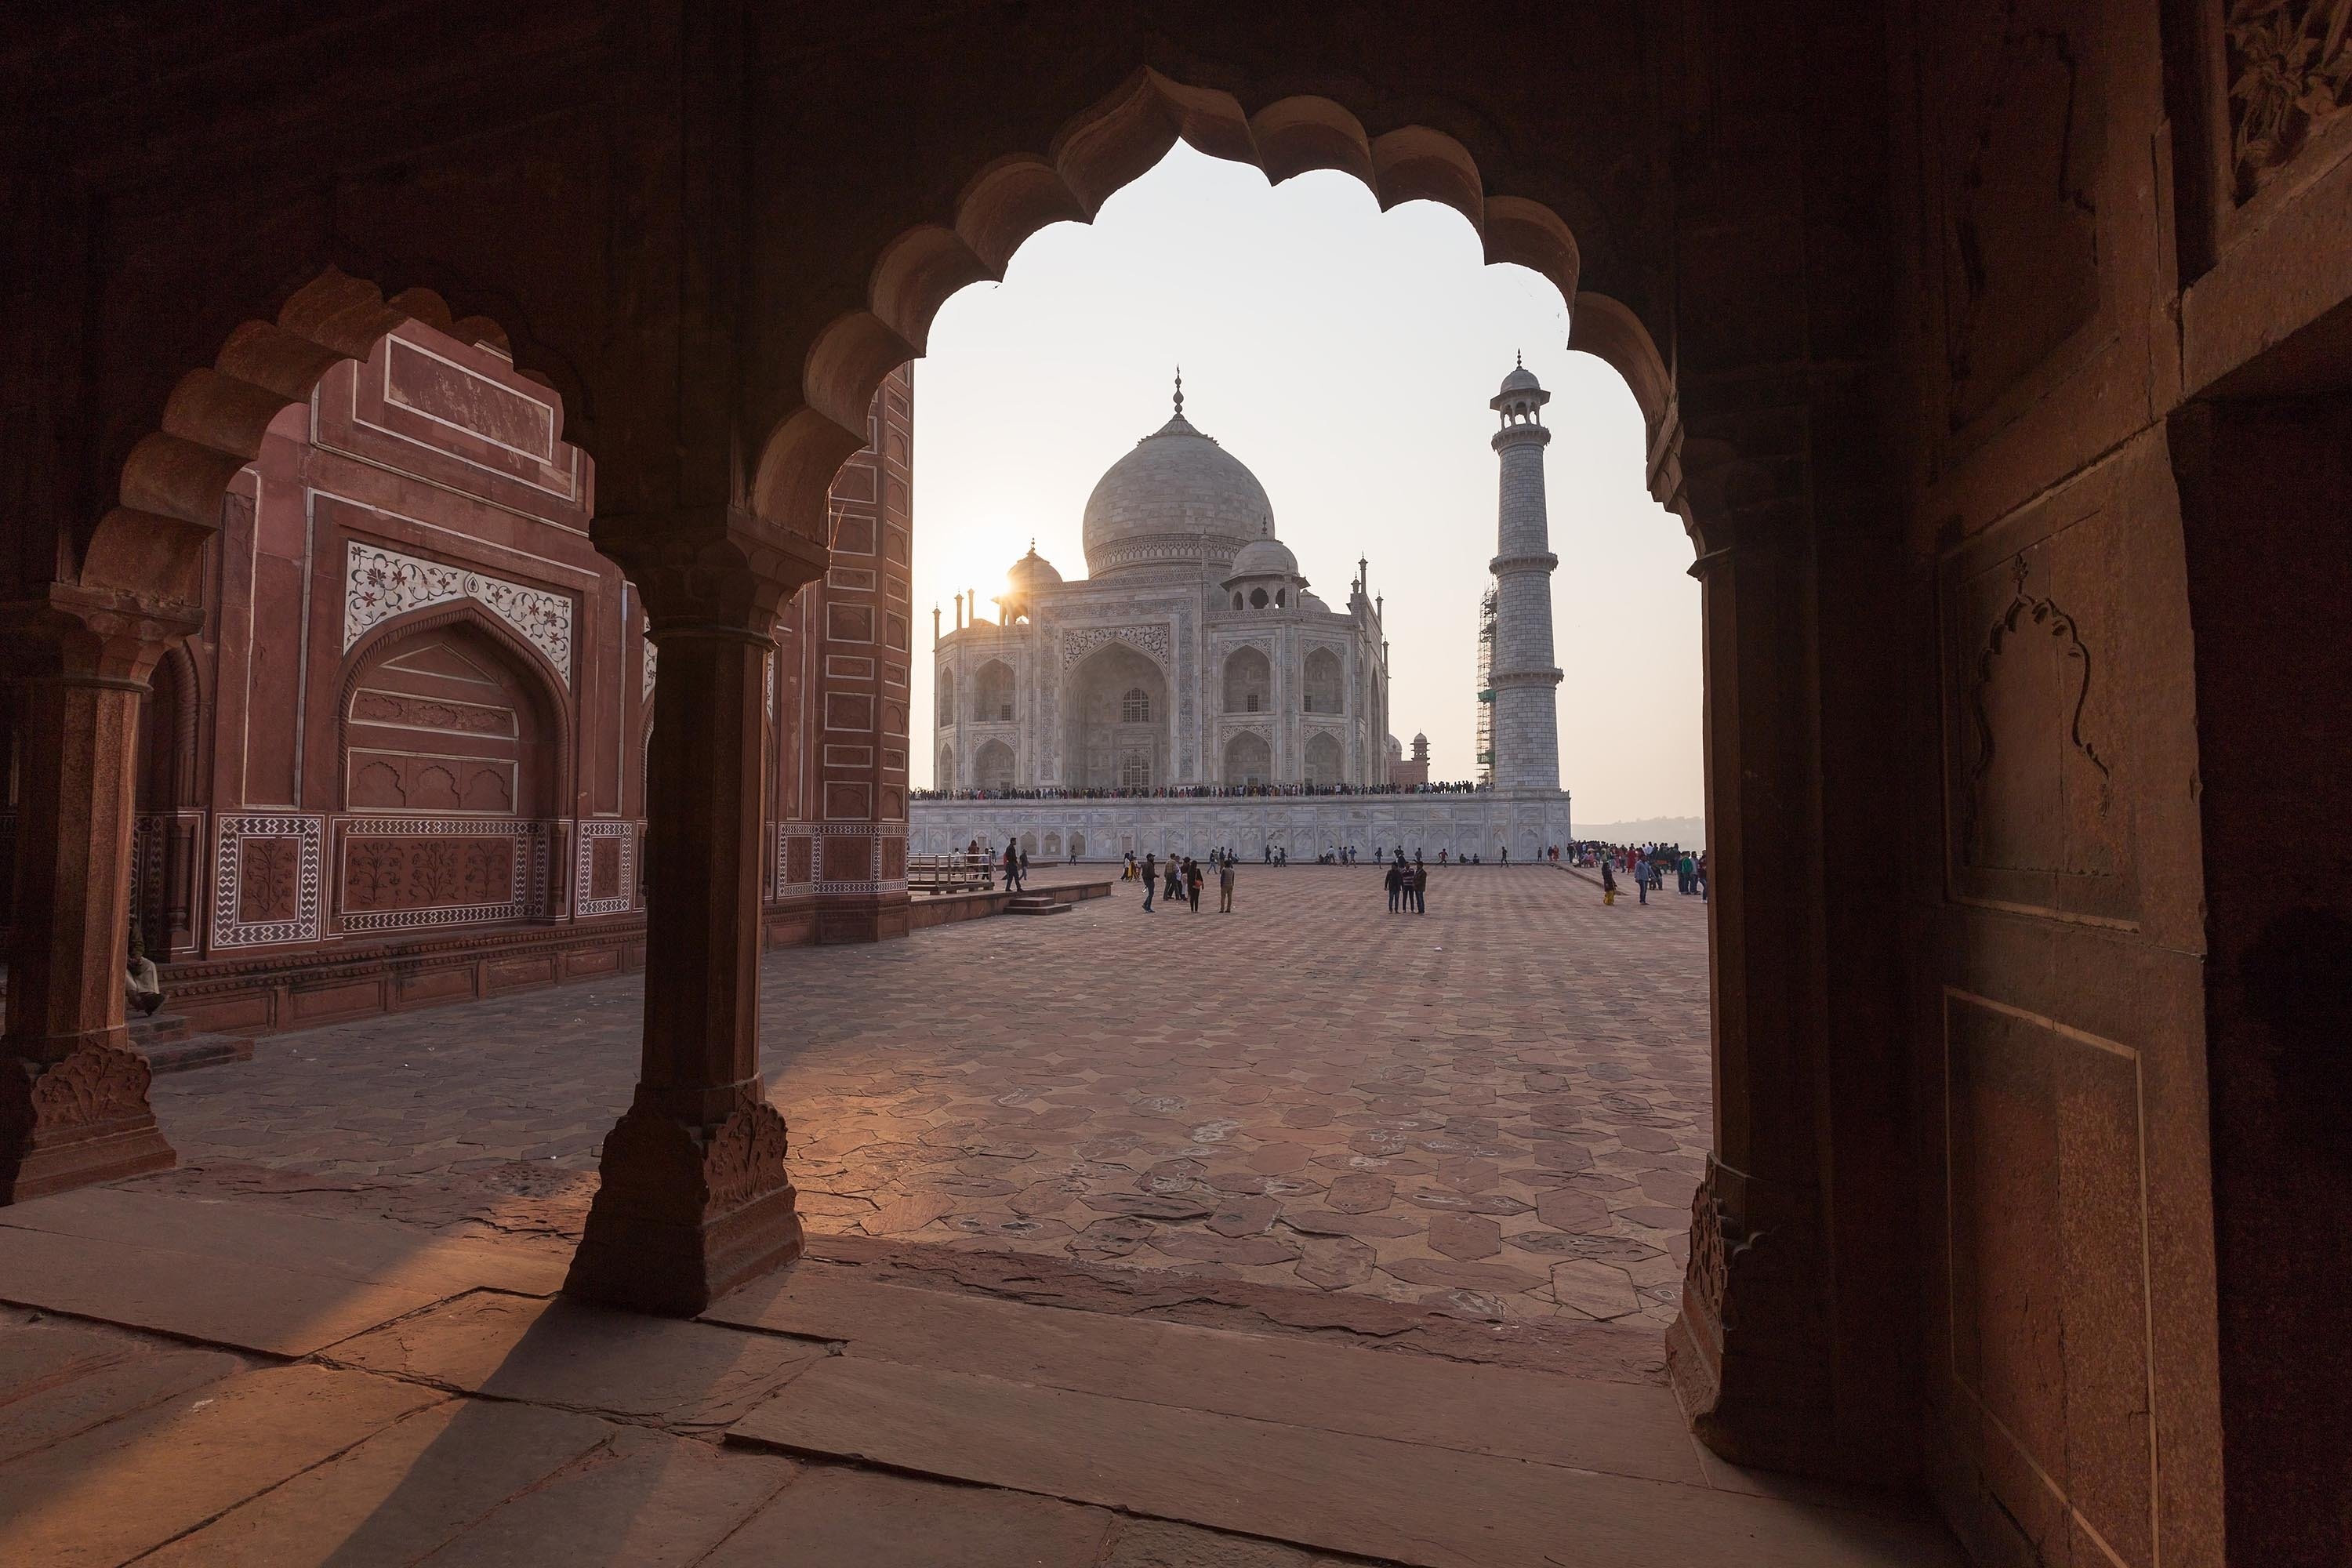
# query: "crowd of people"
[1181,882]
[1193,792]
[1648,864]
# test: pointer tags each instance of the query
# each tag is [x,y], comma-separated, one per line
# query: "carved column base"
[1748,1355]
[687,1213]
[76,1123]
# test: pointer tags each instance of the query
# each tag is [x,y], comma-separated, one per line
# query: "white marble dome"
[1176,495]
[1031,571]
[1264,557]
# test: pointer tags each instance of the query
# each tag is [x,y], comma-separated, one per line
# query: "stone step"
[160,1029]
[1036,904]
[171,1045]
[1387,1455]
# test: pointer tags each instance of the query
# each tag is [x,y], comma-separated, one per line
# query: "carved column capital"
[94,636]
[708,568]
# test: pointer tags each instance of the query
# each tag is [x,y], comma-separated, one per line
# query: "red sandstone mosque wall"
[2091,224]
[404,762]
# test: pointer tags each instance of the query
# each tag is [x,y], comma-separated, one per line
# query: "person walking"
[1173,893]
[1150,879]
[1225,887]
[1643,869]
[1507,854]
[1608,880]
[1012,868]
[1192,880]
[1420,886]
[1025,869]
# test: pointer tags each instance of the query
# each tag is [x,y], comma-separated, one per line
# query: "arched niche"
[1248,761]
[1248,683]
[443,715]
[946,778]
[992,693]
[1102,747]
[1321,682]
[947,691]
[992,766]
[1325,764]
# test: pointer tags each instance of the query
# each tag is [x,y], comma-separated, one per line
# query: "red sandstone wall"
[2099,243]
[322,791]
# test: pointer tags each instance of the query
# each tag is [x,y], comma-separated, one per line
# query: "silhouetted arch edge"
[1102,149]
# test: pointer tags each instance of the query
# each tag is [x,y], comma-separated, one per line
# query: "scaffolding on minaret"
[1487,685]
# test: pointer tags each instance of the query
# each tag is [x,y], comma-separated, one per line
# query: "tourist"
[1395,884]
[1225,887]
[1128,875]
[1192,880]
[1608,882]
[1024,868]
[1173,893]
[1012,868]
[1507,854]
[1150,879]
[1420,886]
[1643,869]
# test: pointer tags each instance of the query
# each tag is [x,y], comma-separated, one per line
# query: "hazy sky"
[1345,355]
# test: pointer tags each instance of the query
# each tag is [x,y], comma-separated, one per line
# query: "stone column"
[1750,1353]
[695,1199]
[73,1096]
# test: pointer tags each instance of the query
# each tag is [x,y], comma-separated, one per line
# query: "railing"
[957,873]
[1197,792]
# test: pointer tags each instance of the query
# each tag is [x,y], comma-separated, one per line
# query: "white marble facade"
[1477,824]
[1193,653]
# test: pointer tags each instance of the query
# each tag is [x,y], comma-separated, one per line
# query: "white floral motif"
[1150,640]
[379,583]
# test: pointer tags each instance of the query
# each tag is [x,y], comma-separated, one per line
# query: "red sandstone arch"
[1100,150]
[538,677]
[149,542]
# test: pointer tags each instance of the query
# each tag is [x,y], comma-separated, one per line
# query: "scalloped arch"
[174,479]
[1100,150]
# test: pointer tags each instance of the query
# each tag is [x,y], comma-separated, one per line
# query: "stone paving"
[1499,1109]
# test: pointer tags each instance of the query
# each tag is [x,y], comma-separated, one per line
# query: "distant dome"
[1177,497]
[1031,571]
[1396,750]
[1267,557]
[1521,379]
[1307,601]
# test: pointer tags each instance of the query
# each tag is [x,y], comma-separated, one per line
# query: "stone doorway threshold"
[193,1382]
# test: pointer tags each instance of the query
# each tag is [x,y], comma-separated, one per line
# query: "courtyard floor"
[1304,1237]
[1497,1110]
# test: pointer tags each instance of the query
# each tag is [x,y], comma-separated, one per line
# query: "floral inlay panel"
[379,583]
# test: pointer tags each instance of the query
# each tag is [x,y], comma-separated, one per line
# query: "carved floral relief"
[2290,66]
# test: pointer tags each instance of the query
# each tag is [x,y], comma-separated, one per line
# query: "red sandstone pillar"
[695,1198]
[73,1096]
[1750,1353]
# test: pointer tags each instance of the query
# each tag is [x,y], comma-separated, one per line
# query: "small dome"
[1307,601]
[1396,750]
[1521,379]
[1031,571]
[1265,557]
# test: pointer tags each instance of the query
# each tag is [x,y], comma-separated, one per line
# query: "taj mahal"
[1193,692]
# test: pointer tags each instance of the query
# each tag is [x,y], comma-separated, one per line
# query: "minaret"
[1526,708]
